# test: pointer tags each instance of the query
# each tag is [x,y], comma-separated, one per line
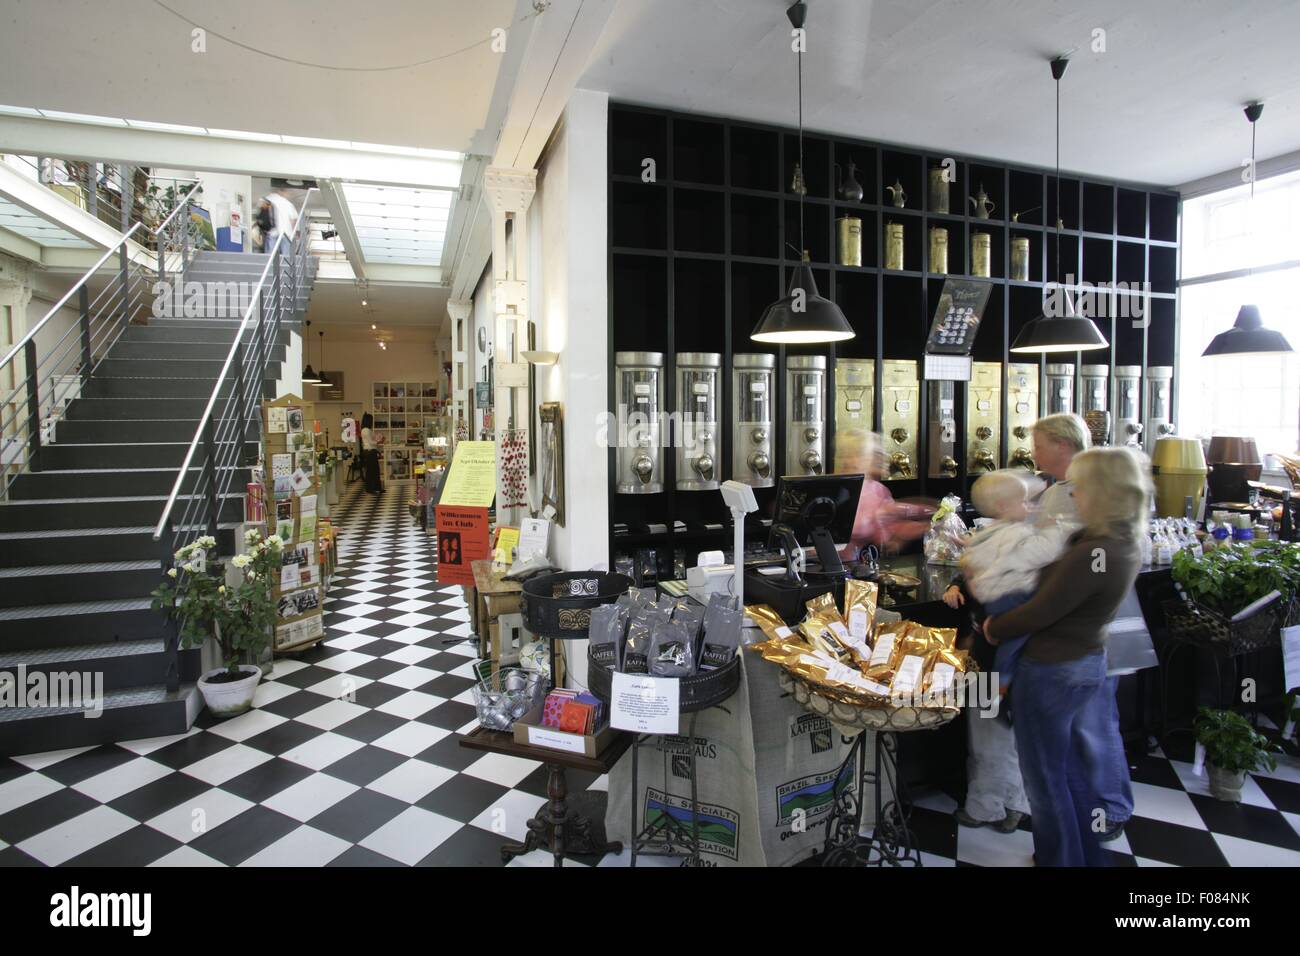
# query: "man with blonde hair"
[1057,439]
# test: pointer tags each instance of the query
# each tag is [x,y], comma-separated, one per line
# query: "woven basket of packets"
[680,639]
[843,665]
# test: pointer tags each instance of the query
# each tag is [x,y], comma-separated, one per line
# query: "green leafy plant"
[1231,743]
[1228,579]
[240,617]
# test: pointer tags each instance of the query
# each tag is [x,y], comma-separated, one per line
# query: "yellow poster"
[507,541]
[472,481]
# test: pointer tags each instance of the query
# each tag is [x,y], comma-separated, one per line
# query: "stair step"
[46,513]
[130,713]
[63,456]
[80,622]
[90,581]
[88,482]
[134,409]
[70,545]
[166,388]
[205,351]
[83,432]
[164,368]
[125,663]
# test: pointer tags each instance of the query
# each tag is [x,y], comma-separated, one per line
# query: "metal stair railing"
[44,376]
[216,450]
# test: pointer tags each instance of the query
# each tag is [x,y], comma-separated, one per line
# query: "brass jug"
[896,194]
[983,205]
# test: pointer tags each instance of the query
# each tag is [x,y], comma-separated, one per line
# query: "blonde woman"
[1064,701]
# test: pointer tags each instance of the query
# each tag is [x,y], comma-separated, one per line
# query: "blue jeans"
[1008,652]
[1062,728]
[1115,785]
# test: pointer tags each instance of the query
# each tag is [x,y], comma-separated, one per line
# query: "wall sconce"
[536,357]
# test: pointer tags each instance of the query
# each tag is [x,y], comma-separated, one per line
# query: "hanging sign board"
[462,539]
[472,478]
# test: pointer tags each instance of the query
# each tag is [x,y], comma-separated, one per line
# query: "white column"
[461,373]
[509,193]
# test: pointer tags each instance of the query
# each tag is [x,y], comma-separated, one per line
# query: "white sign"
[645,704]
[534,535]
[301,480]
[290,577]
[546,737]
[1291,656]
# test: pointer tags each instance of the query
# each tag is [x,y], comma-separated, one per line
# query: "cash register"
[812,523]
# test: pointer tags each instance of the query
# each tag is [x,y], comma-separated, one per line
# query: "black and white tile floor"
[351,759]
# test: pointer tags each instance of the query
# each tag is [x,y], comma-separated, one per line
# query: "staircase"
[78,557]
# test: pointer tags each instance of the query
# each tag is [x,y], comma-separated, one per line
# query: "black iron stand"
[562,826]
[890,843]
[667,836]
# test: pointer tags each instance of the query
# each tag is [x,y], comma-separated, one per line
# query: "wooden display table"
[492,597]
[561,825]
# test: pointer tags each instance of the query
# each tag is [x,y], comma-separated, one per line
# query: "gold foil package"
[769,622]
[860,601]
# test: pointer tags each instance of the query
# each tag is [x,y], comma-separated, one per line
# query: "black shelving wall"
[701,247]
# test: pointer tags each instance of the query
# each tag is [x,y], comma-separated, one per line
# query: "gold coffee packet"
[768,621]
[860,600]
[908,677]
[957,659]
[816,627]
[825,604]
[888,636]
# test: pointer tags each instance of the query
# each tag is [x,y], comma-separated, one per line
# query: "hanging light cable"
[802,316]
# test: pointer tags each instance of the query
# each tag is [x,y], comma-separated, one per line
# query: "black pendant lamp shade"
[802,316]
[322,382]
[1061,333]
[1065,331]
[1247,336]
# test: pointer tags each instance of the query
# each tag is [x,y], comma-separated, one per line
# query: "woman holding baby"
[1065,727]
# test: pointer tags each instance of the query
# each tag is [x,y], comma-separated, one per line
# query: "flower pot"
[1226,784]
[230,698]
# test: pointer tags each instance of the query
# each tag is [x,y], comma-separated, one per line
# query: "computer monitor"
[820,510]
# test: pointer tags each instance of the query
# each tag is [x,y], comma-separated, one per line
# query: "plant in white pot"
[1233,748]
[239,617]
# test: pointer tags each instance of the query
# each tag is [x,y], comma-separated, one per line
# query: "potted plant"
[1232,749]
[238,616]
[1229,579]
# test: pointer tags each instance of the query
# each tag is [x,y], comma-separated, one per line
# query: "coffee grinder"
[805,415]
[640,396]
[697,410]
[1128,392]
[752,444]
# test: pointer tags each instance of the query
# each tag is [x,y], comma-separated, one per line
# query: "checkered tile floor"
[351,759]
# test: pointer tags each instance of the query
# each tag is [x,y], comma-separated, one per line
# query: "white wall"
[483,316]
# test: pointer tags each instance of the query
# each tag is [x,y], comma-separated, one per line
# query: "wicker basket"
[851,715]
[1194,623]
[558,606]
[698,692]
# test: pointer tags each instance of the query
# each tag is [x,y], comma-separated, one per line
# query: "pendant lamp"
[322,382]
[802,316]
[309,376]
[1063,331]
[1248,335]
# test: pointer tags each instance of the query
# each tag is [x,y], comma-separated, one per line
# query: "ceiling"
[1162,104]
[390,306]
[134,58]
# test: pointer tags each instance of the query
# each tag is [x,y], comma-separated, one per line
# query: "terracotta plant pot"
[1226,784]
[230,698]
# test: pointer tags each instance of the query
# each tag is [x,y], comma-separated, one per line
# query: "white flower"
[252,535]
[207,541]
[222,589]
[241,560]
[171,572]
[274,541]
[252,575]
[189,566]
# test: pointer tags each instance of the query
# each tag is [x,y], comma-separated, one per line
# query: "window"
[1224,234]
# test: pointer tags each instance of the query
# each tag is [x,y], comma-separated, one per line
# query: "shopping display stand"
[493,596]
[668,836]
[557,607]
[890,843]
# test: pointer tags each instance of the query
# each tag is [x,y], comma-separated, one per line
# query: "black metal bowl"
[558,606]
[698,692]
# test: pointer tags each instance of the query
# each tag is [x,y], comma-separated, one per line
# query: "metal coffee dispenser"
[805,415]
[698,444]
[900,418]
[983,417]
[1060,388]
[1128,422]
[752,383]
[1022,412]
[640,396]
[1092,402]
[853,406]
[942,429]
[1160,415]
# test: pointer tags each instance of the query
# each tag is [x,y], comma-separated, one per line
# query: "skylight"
[41,231]
[397,224]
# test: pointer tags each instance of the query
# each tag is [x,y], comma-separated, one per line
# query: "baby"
[1002,560]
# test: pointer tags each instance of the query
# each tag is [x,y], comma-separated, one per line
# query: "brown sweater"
[1077,598]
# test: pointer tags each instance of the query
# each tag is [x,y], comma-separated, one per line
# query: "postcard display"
[404,412]
[292,494]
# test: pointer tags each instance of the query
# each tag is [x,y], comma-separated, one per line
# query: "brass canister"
[981,252]
[850,236]
[1020,258]
[939,189]
[893,245]
[938,249]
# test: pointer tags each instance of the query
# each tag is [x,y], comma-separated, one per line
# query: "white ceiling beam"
[22,247]
[378,273]
[45,137]
[331,193]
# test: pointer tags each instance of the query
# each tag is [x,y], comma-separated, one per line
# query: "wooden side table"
[562,825]
[494,597]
